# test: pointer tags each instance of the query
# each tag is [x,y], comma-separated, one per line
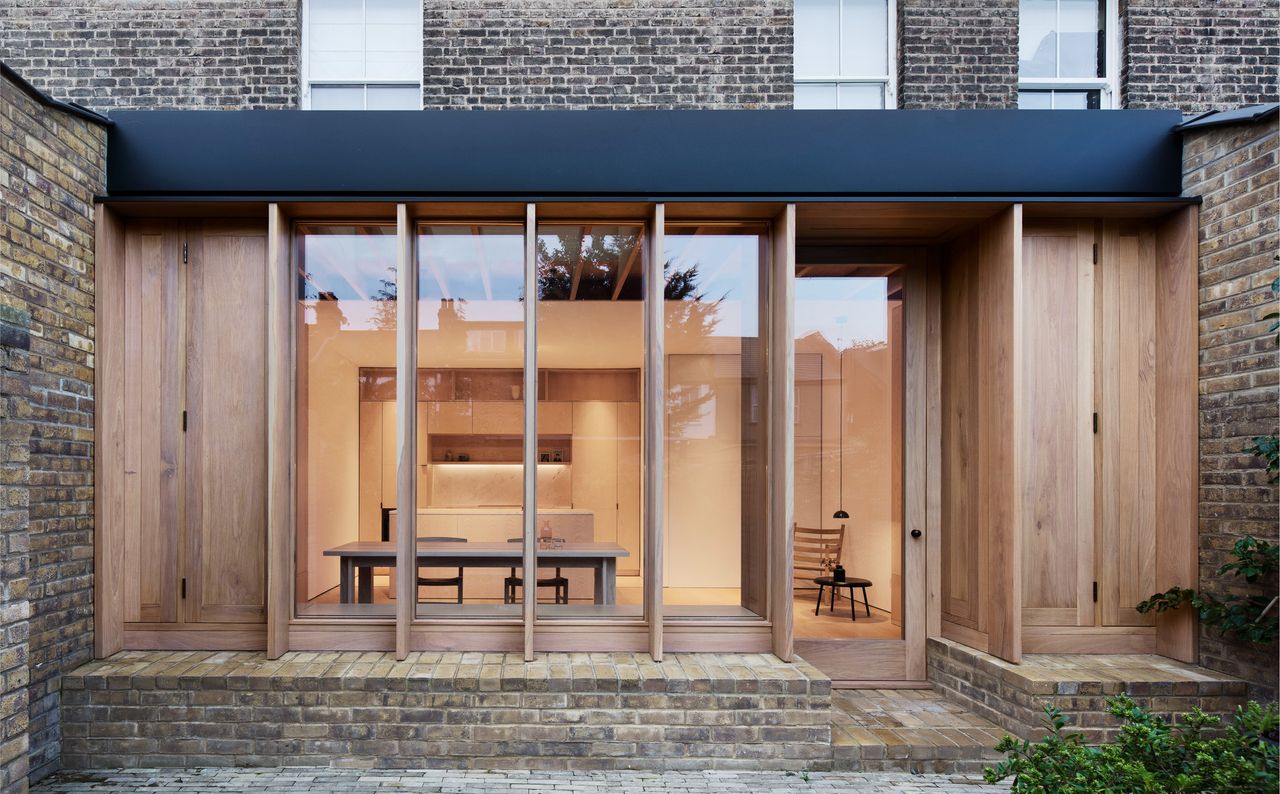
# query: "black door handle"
[915,533]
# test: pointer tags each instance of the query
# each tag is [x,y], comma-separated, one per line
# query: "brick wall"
[603,53]
[957,53]
[477,710]
[110,54]
[1234,169]
[15,608]
[51,165]
[1200,55]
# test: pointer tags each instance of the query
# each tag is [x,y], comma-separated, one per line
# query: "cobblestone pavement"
[293,781]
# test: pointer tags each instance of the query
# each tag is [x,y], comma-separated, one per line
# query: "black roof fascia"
[659,155]
[48,101]
[1249,114]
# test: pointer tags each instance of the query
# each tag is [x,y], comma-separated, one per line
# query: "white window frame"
[888,82]
[1108,86]
[304,71]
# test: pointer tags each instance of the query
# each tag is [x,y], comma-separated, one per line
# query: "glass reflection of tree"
[597,258]
[689,314]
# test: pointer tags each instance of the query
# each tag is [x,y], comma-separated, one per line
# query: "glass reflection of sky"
[483,272]
[848,312]
[461,261]
[728,272]
[353,267]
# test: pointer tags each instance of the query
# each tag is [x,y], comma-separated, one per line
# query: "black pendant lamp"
[840,511]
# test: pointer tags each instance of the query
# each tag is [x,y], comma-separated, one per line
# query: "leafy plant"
[1149,755]
[1243,616]
[1268,447]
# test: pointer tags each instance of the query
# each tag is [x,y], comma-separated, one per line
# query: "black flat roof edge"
[1249,114]
[644,199]
[693,154]
[48,101]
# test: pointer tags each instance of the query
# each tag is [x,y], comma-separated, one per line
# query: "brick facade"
[453,710]
[1234,168]
[51,165]
[1013,696]
[553,54]
[129,54]
[957,53]
[1200,55]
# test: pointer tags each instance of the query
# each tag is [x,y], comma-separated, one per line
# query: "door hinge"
[184,588]
[1095,592]
[184,253]
[1095,422]
[1095,253]
[184,422]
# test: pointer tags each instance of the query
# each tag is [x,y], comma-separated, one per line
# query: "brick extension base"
[1014,695]
[459,710]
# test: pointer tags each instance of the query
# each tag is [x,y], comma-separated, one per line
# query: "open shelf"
[492,448]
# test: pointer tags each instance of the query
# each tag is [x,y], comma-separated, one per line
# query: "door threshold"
[873,684]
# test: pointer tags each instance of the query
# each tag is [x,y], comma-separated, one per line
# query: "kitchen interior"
[470,399]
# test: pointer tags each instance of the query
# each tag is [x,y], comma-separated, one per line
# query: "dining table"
[358,559]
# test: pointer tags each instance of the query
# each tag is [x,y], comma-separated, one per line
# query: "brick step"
[453,710]
[1014,695]
[909,730]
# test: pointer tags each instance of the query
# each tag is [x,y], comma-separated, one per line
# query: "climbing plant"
[1247,617]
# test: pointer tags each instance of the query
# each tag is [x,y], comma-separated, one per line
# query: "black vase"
[838,573]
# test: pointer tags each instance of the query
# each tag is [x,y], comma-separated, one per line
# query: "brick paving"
[294,780]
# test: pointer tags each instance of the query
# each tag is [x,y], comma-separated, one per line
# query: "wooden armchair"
[816,553]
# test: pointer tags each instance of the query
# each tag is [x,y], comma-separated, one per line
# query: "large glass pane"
[817,38]
[590,352]
[346,358]
[864,38]
[1078,40]
[1060,38]
[716,550]
[470,418]
[848,451]
[1037,38]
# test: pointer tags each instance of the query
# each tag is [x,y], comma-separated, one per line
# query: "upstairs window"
[842,54]
[1066,54]
[362,55]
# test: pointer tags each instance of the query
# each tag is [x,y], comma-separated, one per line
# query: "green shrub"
[1149,755]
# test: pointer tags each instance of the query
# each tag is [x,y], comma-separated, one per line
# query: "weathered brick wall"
[608,54]
[957,53]
[479,710]
[15,608]
[1234,169]
[1200,55]
[111,54]
[1014,696]
[51,165]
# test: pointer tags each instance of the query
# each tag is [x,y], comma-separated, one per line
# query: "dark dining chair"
[514,582]
[440,581]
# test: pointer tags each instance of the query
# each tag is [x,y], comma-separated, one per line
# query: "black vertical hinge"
[1095,422]
[1095,254]
[184,253]
[1095,591]
[184,422]
[184,588]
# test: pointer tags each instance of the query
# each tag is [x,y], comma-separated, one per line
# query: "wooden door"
[226,511]
[1056,434]
[1126,440]
[153,387]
